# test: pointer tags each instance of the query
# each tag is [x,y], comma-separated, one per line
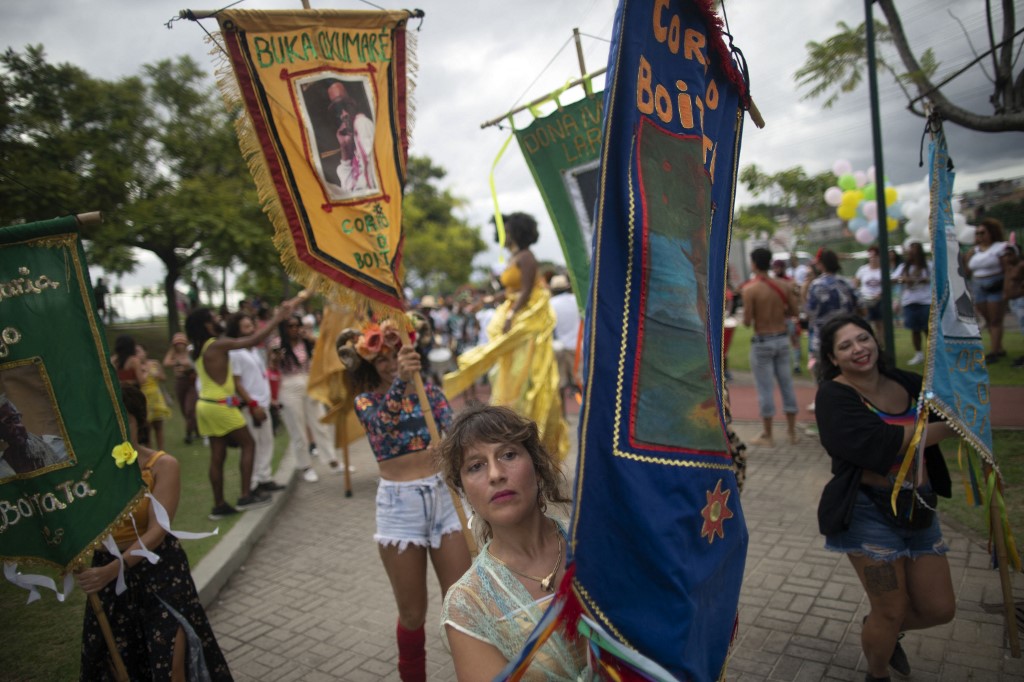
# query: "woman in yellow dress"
[520,349]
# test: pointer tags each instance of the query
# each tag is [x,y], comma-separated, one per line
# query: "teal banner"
[563,150]
[60,405]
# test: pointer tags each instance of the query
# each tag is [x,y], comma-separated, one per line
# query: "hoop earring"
[541,503]
[469,524]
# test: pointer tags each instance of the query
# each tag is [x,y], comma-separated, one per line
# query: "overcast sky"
[478,59]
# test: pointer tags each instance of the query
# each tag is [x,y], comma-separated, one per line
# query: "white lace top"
[490,604]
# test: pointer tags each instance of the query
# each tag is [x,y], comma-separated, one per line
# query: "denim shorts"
[872,536]
[415,513]
[978,285]
[915,316]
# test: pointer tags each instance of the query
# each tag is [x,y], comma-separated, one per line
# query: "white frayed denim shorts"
[415,513]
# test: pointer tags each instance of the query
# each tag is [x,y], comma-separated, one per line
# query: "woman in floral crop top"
[415,514]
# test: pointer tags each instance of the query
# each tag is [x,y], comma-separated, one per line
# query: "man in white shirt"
[567,327]
[253,386]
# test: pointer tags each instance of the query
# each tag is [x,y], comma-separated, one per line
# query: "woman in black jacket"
[866,414]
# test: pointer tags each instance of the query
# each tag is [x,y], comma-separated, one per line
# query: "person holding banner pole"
[416,515]
[157,621]
[879,507]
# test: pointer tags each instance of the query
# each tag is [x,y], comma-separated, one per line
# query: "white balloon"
[960,221]
[965,235]
[920,213]
[841,167]
[916,228]
[861,177]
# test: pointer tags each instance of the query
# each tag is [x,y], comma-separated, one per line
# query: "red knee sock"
[412,654]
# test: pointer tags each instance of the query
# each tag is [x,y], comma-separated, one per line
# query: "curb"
[229,555]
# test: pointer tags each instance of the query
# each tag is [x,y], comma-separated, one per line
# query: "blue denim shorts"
[415,513]
[978,285]
[872,536]
[915,316]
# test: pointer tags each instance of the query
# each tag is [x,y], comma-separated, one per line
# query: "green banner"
[563,151]
[60,405]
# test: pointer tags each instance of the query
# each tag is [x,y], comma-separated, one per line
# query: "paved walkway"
[312,602]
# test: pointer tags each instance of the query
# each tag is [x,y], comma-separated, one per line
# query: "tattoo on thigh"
[880,578]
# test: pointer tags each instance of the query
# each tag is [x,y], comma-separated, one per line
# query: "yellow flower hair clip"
[124,454]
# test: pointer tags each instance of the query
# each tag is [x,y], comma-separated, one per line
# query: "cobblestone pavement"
[312,601]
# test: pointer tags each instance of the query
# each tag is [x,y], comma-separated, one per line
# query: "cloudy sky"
[478,59]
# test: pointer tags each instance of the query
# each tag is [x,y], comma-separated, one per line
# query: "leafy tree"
[794,198]
[439,246]
[1010,213]
[156,153]
[836,66]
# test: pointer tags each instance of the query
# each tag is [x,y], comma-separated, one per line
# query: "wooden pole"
[341,440]
[540,100]
[583,67]
[90,218]
[120,672]
[1009,613]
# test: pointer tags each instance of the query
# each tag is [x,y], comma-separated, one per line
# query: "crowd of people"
[502,461]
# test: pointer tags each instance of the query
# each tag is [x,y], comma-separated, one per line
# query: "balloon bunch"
[855,197]
[917,209]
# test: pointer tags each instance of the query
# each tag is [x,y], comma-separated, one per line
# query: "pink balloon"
[841,167]
[870,210]
[861,177]
[864,236]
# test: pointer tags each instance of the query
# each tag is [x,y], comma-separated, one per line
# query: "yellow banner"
[326,137]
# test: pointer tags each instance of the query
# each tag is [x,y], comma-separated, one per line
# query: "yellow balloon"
[852,197]
[890,196]
[892,223]
[846,211]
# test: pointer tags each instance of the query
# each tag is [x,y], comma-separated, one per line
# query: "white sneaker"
[337,468]
[916,360]
[310,475]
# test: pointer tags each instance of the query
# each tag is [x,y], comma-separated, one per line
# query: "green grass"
[42,640]
[1000,373]
[1008,447]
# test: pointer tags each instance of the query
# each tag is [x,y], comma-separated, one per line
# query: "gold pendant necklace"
[547,583]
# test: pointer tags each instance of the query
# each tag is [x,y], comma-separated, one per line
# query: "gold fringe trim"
[412,70]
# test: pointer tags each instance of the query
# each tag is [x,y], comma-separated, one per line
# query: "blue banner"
[956,378]
[658,533]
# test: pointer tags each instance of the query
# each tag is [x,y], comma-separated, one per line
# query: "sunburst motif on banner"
[715,513]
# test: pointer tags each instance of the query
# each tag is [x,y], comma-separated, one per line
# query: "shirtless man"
[767,304]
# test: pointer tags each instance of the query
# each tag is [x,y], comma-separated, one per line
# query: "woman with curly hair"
[495,458]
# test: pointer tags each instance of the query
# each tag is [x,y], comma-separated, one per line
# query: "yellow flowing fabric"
[527,376]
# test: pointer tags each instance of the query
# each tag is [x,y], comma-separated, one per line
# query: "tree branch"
[945,108]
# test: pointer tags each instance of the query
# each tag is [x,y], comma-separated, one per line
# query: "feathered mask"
[355,346]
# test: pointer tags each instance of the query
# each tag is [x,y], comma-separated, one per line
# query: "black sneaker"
[253,500]
[898,661]
[269,487]
[222,511]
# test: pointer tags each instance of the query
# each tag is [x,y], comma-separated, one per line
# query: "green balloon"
[847,181]
[869,192]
